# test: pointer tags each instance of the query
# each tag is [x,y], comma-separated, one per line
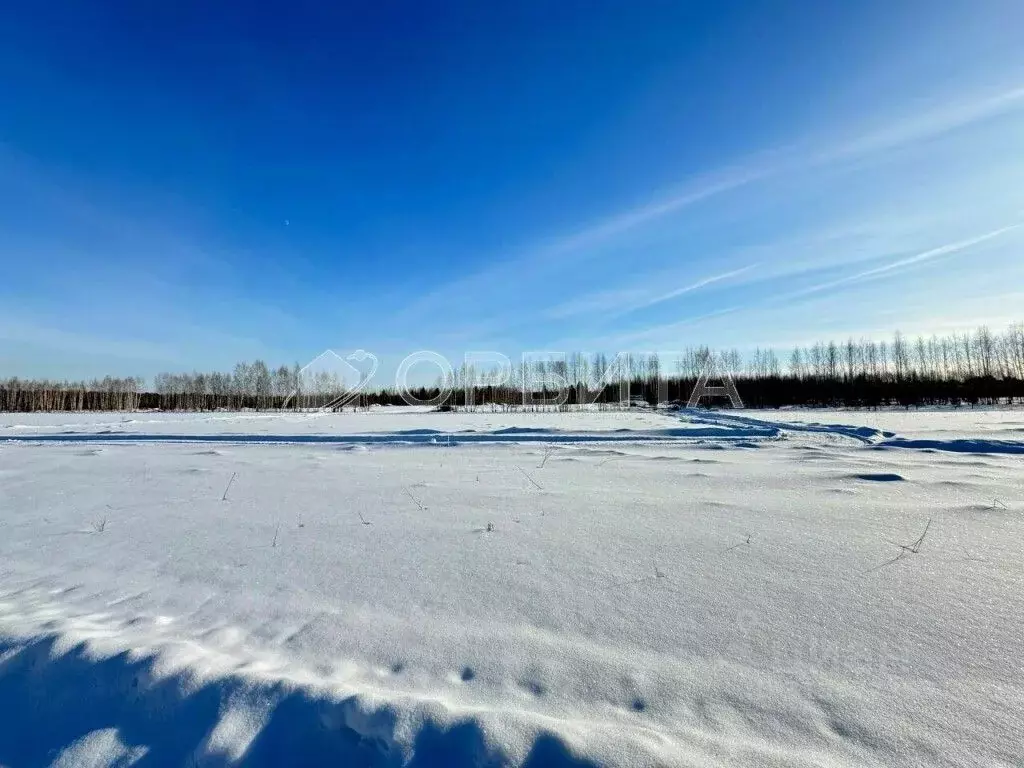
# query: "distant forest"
[983,367]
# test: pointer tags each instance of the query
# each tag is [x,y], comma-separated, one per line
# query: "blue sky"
[184,185]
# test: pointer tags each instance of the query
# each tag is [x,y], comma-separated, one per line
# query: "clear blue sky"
[184,184]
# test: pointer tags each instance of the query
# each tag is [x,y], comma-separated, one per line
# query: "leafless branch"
[225,496]
[905,549]
[527,476]
[736,546]
[415,500]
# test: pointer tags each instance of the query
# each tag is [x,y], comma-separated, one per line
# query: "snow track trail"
[431,437]
[731,420]
[701,425]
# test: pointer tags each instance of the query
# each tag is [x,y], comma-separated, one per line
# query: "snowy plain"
[392,419]
[400,587]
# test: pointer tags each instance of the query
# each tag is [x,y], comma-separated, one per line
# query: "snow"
[374,420]
[925,423]
[610,588]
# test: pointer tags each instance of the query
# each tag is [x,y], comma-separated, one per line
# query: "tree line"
[107,394]
[248,385]
[961,368]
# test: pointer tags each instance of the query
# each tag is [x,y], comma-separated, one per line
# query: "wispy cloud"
[920,126]
[615,303]
[552,254]
[948,116]
[549,255]
[772,310]
[695,191]
[677,292]
[892,266]
[598,301]
[924,125]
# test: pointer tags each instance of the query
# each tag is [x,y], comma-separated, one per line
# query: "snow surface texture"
[750,588]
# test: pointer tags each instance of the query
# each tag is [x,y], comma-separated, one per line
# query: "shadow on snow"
[53,698]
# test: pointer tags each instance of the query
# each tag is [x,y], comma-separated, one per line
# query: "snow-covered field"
[399,587]
[398,420]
